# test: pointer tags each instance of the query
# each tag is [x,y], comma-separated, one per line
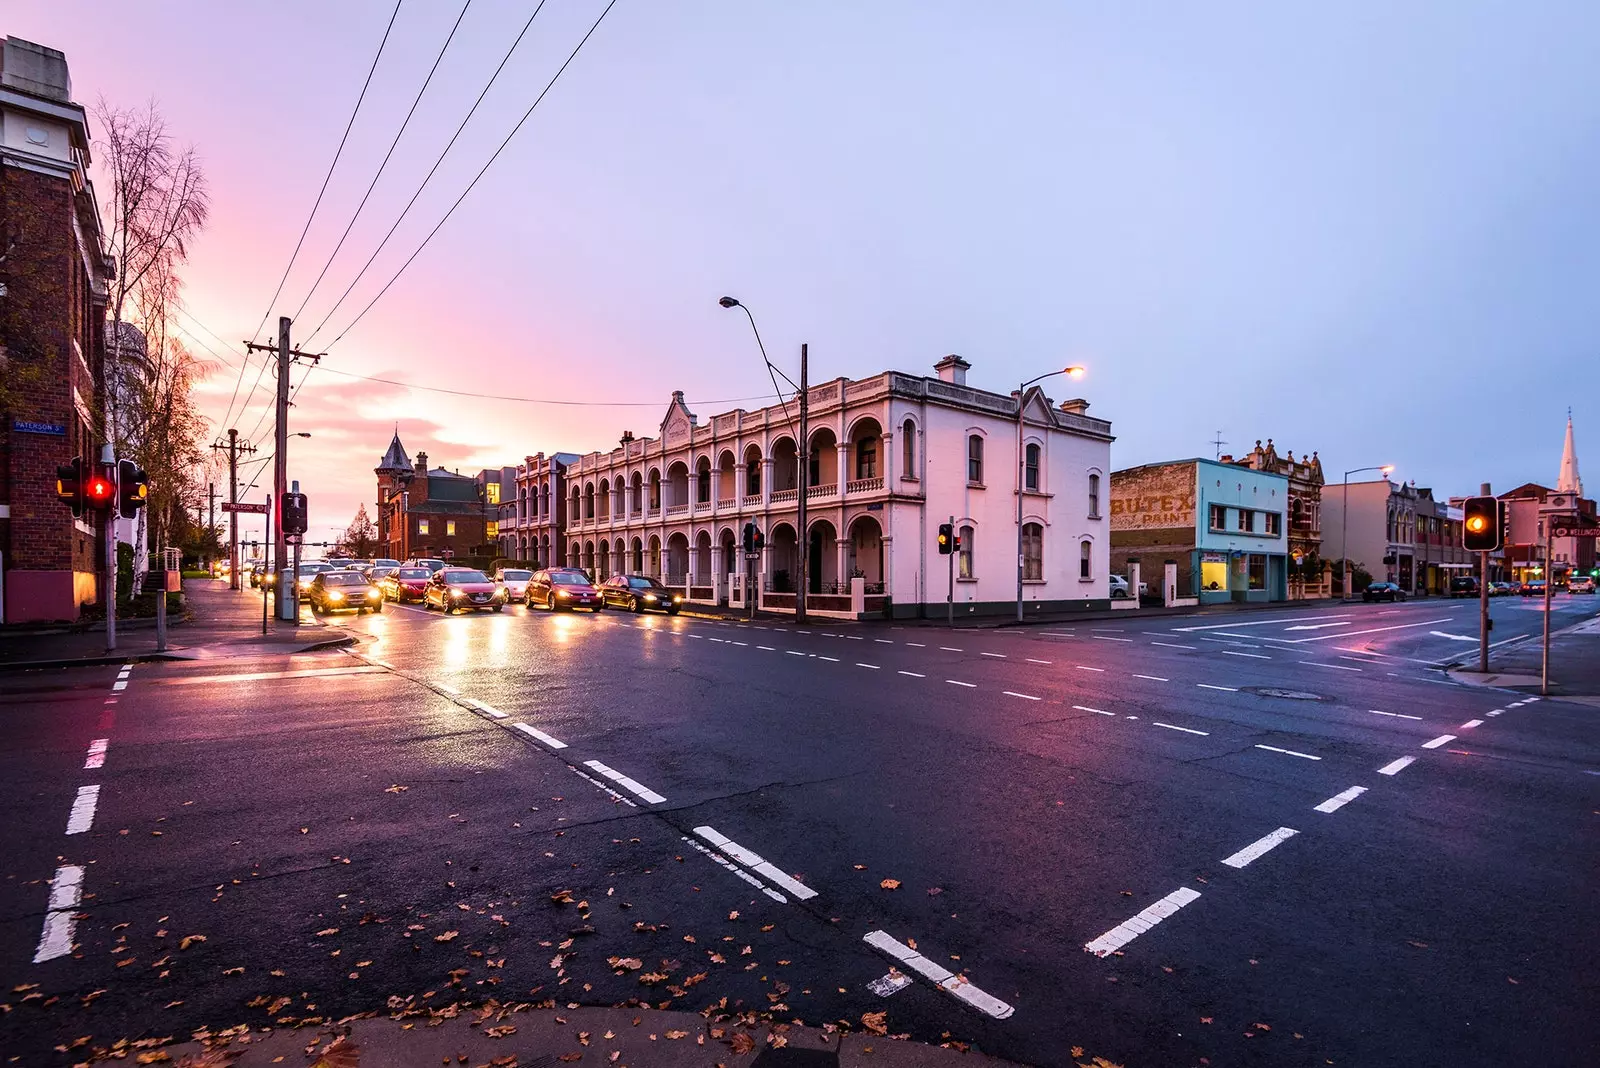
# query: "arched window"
[1094,496]
[975,459]
[1030,467]
[1085,552]
[655,491]
[867,458]
[908,449]
[702,488]
[1032,551]
[964,552]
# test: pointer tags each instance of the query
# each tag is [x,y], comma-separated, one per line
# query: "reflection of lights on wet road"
[457,647]
[499,637]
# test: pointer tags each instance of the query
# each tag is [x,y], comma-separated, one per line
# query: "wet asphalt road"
[342,830]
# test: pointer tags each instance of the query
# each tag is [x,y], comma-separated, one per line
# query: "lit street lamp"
[1344,527]
[1074,371]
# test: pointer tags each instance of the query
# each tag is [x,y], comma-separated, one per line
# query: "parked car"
[1464,586]
[462,589]
[638,593]
[1533,588]
[562,587]
[433,564]
[1383,591]
[1501,589]
[1580,584]
[514,580]
[1119,587]
[343,590]
[404,584]
[377,573]
[384,561]
[310,571]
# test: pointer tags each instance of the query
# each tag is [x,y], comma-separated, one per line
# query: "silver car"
[514,581]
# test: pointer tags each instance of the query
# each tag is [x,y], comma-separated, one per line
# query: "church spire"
[1570,481]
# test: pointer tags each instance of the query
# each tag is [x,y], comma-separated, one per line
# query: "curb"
[169,656]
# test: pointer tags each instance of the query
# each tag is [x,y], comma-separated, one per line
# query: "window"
[1219,517]
[908,449]
[1085,556]
[703,485]
[867,458]
[422,526]
[1094,496]
[964,553]
[1274,523]
[655,491]
[492,492]
[975,460]
[449,527]
[1032,552]
[492,530]
[1030,468]
[752,479]
[1246,520]
[814,468]
[1258,571]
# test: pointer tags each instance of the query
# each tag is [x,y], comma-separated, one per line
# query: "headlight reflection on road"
[563,628]
[457,649]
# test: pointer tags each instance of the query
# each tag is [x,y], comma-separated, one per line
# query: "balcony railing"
[752,501]
[730,502]
[863,485]
[830,490]
[785,496]
[677,509]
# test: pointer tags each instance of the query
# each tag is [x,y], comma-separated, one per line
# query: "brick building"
[53,292]
[429,512]
[1309,576]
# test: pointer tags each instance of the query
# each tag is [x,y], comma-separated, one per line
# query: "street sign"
[253,509]
[752,556]
[1561,531]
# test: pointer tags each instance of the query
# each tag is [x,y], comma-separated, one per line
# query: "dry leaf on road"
[890,884]
[876,1022]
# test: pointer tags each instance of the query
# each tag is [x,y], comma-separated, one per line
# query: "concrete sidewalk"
[620,1037]
[1574,665]
[219,622]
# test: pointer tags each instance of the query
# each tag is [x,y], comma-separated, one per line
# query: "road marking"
[914,674]
[1130,717]
[884,641]
[1225,641]
[939,975]
[958,682]
[1396,767]
[766,648]
[1335,667]
[1260,846]
[1469,724]
[1208,686]
[626,783]
[1253,656]
[66,890]
[948,649]
[1140,922]
[1058,633]
[916,645]
[1260,623]
[740,872]
[1288,752]
[794,652]
[998,656]
[257,676]
[1109,638]
[488,710]
[874,667]
[1341,799]
[1086,667]
[119,685]
[1358,659]
[1186,730]
[81,818]
[890,984]
[1170,645]
[535,732]
[1394,715]
[1152,678]
[754,861]
[1097,711]
[1024,696]
[1437,742]
[829,659]
[1317,626]
[1031,660]
[1353,633]
[97,753]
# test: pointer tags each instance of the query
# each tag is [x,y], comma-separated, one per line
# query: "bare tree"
[360,539]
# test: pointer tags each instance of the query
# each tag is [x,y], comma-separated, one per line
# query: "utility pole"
[805,472]
[211,518]
[1483,598]
[234,449]
[109,518]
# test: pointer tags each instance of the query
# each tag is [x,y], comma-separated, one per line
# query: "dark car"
[1464,586]
[1383,591]
[561,587]
[339,591]
[1533,588]
[454,589]
[638,593]
[405,584]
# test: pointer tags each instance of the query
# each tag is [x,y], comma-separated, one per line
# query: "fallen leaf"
[448,936]
[326,931]
[1262,1027]
[734,915]
[189,940]
[875,1022]
[1077,1051]
[397,789]
[890,884]
[570,1057]
[675,1035]
[631,964]
[934,890]
[860,867]
[742,1043]
[1205,1019]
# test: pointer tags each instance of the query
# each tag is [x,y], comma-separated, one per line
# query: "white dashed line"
[1086,667]
[1170,645]
[997,656]
[1437,742]
[755,862]
[1331,667]
[1208,686]
[81,818]
[873,667]
[1260,846]
[1109,638]
[1024,696]
[1252,656]
[883,641]
[1152,678]
[1394,715]
[535,732]
[729,865]
[1469,724]
[948,649]
[829,659]
[1138,924]
[119,685]
[766,648]
[97,753]
[1186,730]
[939,975]
[1395,767]
[1031,660]
[1341,799]
[958,682]
[1096,711]
[914,674]
[1288,752]
[490,710]
[916,645]
[66,890]
[794,652]
[625,782]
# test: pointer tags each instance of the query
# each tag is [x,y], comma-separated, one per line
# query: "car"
[1580,584]
[1383,591]
[340,563]
[432,563]
[378,572]
[404,584]
[384,561]
[1533,588]
[562,587]
[1501,589]
[515,581]
[309,571]
[640,593]
[343,590]
[255,572]
[1119,587]
[462,589]
[1463,586]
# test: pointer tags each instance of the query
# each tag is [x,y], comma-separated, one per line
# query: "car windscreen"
[312,569]
[568,578]
[641,583]
[413,573]
[517,576]
[343,579]
[465,576]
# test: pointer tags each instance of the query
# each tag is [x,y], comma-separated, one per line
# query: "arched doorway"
[785,465]
[727,480]
[702,558]
[602,569]
[823,458]
[677,559]
[866,444]
[677,487]
[654,562]
[823,560]
[752,471]
[702,481]
[636,565]
[783,558]
[866,552]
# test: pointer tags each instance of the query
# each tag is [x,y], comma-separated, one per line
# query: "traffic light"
[1480,526]
[947,539]
[761,541]
[69,486]
[293,510]
[100,488]
[133,488]
[749,537]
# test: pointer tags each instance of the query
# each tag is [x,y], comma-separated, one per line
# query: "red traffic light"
[100,490]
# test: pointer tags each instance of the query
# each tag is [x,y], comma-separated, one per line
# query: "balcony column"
[842,568]
[766,480]
[740,473]
[842,470]
[886,448]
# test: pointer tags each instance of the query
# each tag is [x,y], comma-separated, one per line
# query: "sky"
[1368,229]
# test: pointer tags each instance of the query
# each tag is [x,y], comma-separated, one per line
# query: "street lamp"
[1073,371]
[1344,527]
[803,455]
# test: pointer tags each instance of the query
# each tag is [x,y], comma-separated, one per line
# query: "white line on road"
[1394,715]
[939,975]
[625,782]
[1024,696]
[97,753]
[66,890]
[1152,678]
[1208,686]
[948,649]
[1031,660]
[1288,752]
[829,659]
[119,685]
[766,648]
[1253,656]
[1469,724]
[1341,799]
[1335,667]
[1170,645]
[1260,846]
[794,652]
[1186,730]
[535,732]
[1397,766]
[916,645]
[1437,742]
[1109,638]
[1140,922]
[755,862]
[997,656]
[884,641]
[1086,667]
[81,818]
[740,872]
[914,674]
[489,710]
[1259,623]
[874,667]
[958,682]
[1097,711]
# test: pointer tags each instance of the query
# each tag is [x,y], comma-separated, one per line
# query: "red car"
[453,589]
[561,587]
[405,584]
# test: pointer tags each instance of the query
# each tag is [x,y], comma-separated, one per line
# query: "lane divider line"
[914,674]
[1252,656]
[81,818]
[1186,730]
[1152,678]
[937,974]
[1171,645]
[1394,715]
[873,667]
[999,656]
[1335,667]
[1437,742]
[1260,847]
[1469,724]
[1024,696]
[1109,638]
[1208,686]
[1031,660]
[97,753]
[626,783]
[948,649]
[740,872]
[1288,752]
[755,862]
[1397,766]
[1086,667]
[1096,711]
[1341,799]
[958,682]
[1140,922]
[66,890]
[535,732]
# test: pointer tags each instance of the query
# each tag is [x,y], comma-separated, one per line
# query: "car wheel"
[550,602]
[672,611]
[1119,594]
[498,607]
[377,607]
[637,605]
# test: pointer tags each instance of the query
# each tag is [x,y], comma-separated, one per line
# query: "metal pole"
[211,519]
[805,469]
[1021,464]
[294,574]
[280,467]
[1344,549]
[1544,666]
[1483,596]
[950,587]
[233,516]
[109,518]
[161,609]
[269,578]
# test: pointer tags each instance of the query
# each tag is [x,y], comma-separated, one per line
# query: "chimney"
[422,463]
[35,69]
[627,437]
[952,369]
[1075,406]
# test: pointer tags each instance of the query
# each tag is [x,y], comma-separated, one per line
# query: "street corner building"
[431,512]
[53,293]
[889,459]
[1211,531]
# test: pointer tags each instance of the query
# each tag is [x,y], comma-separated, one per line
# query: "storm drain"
[1287,695]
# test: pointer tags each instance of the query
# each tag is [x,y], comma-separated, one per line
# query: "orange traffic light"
[1480,526]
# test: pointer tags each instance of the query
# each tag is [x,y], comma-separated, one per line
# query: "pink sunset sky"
[1322,226]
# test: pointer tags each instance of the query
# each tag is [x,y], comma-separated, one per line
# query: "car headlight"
[457,593]
[649,596]
[335,595]
[677,599]
[374,593]
[563,594]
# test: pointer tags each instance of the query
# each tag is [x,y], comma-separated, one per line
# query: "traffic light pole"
[280,467]
[1549,584]
[108,517]
[1483,600]
[804,589]
[950,586]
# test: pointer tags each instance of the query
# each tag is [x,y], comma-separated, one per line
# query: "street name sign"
[1560,530]
[253,509]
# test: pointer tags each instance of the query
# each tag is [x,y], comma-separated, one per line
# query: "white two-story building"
[891,458]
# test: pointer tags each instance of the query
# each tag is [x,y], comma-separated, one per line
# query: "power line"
[429,177]
[386,156]
[531,400]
